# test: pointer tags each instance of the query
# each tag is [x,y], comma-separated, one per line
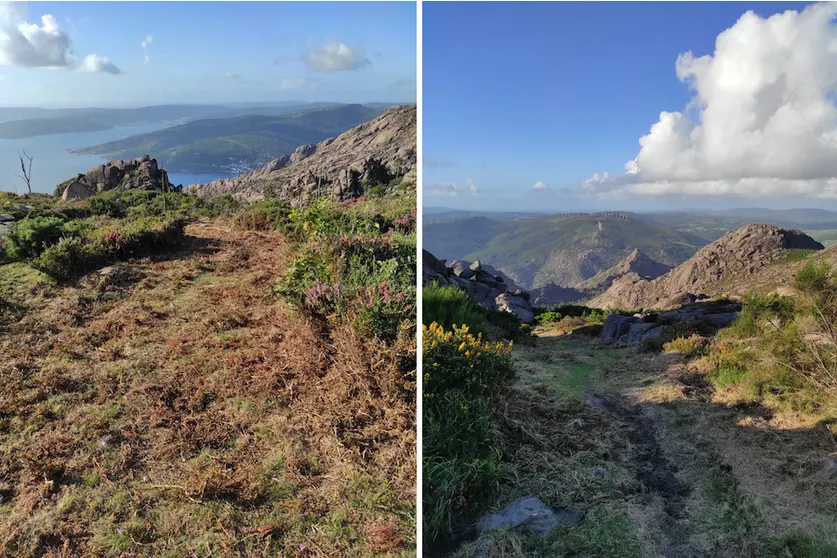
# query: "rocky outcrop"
[636,264]
[635,331]
[489,288]
[736,255]
[140,174]
[374,154]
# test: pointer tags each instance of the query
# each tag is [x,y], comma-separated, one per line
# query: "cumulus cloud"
[765,124]
[98,64]
[453,188]
[148,40]
[335,57]
[44,45]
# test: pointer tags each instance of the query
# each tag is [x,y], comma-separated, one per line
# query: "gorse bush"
[461,460]
[458,359]
[32,235]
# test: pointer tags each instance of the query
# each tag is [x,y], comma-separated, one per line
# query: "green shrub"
[32,235]
[76,254]
[450,306]
[380,312]
[264,215]
[548,317]
[307,270]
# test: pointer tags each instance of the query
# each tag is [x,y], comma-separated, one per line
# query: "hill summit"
[742,253]
[377,153]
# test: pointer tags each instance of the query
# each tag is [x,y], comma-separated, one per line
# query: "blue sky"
[556,94]
[206,52]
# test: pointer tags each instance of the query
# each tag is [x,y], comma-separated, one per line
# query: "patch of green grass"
[603,532]
[797,255]
[17,280]
[801,545]
[450,306]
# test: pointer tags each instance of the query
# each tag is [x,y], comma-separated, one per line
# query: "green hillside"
[560,249]
[205,145]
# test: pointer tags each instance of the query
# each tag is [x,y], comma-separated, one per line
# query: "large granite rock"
[138,174]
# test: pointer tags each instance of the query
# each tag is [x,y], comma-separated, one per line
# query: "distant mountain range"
[565,250]
[26,122]
[570,257]
[237,143]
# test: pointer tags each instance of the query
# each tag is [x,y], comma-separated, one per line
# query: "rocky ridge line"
[378,152]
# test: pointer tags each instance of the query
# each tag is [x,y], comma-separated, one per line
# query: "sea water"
[52,162]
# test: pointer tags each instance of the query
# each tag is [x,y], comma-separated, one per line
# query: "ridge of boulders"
[488,287]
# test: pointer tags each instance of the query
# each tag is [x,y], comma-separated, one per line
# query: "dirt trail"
[661,464]
[176,406]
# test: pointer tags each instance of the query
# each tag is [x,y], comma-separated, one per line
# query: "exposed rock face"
[636,263]
[142,174]
[740,253]
[374,153]
[482,283]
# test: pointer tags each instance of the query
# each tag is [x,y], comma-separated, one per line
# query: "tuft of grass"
[691,346]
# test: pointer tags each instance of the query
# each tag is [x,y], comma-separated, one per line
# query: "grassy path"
[179,408]
[660,463]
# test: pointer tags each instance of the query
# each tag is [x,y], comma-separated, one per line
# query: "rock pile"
[487,286]
[141,174]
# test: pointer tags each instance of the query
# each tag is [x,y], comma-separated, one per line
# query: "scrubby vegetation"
[356,261]
[67,239]
[783,350]
[241,384]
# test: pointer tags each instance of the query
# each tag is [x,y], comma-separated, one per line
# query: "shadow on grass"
[633,440]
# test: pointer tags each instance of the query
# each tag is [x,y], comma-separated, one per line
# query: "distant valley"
[572,257]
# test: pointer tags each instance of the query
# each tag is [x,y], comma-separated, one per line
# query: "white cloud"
[148,40]
[31,45]
[453,188]
[766,122]
[335,57]
[541,189]
[98,64]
